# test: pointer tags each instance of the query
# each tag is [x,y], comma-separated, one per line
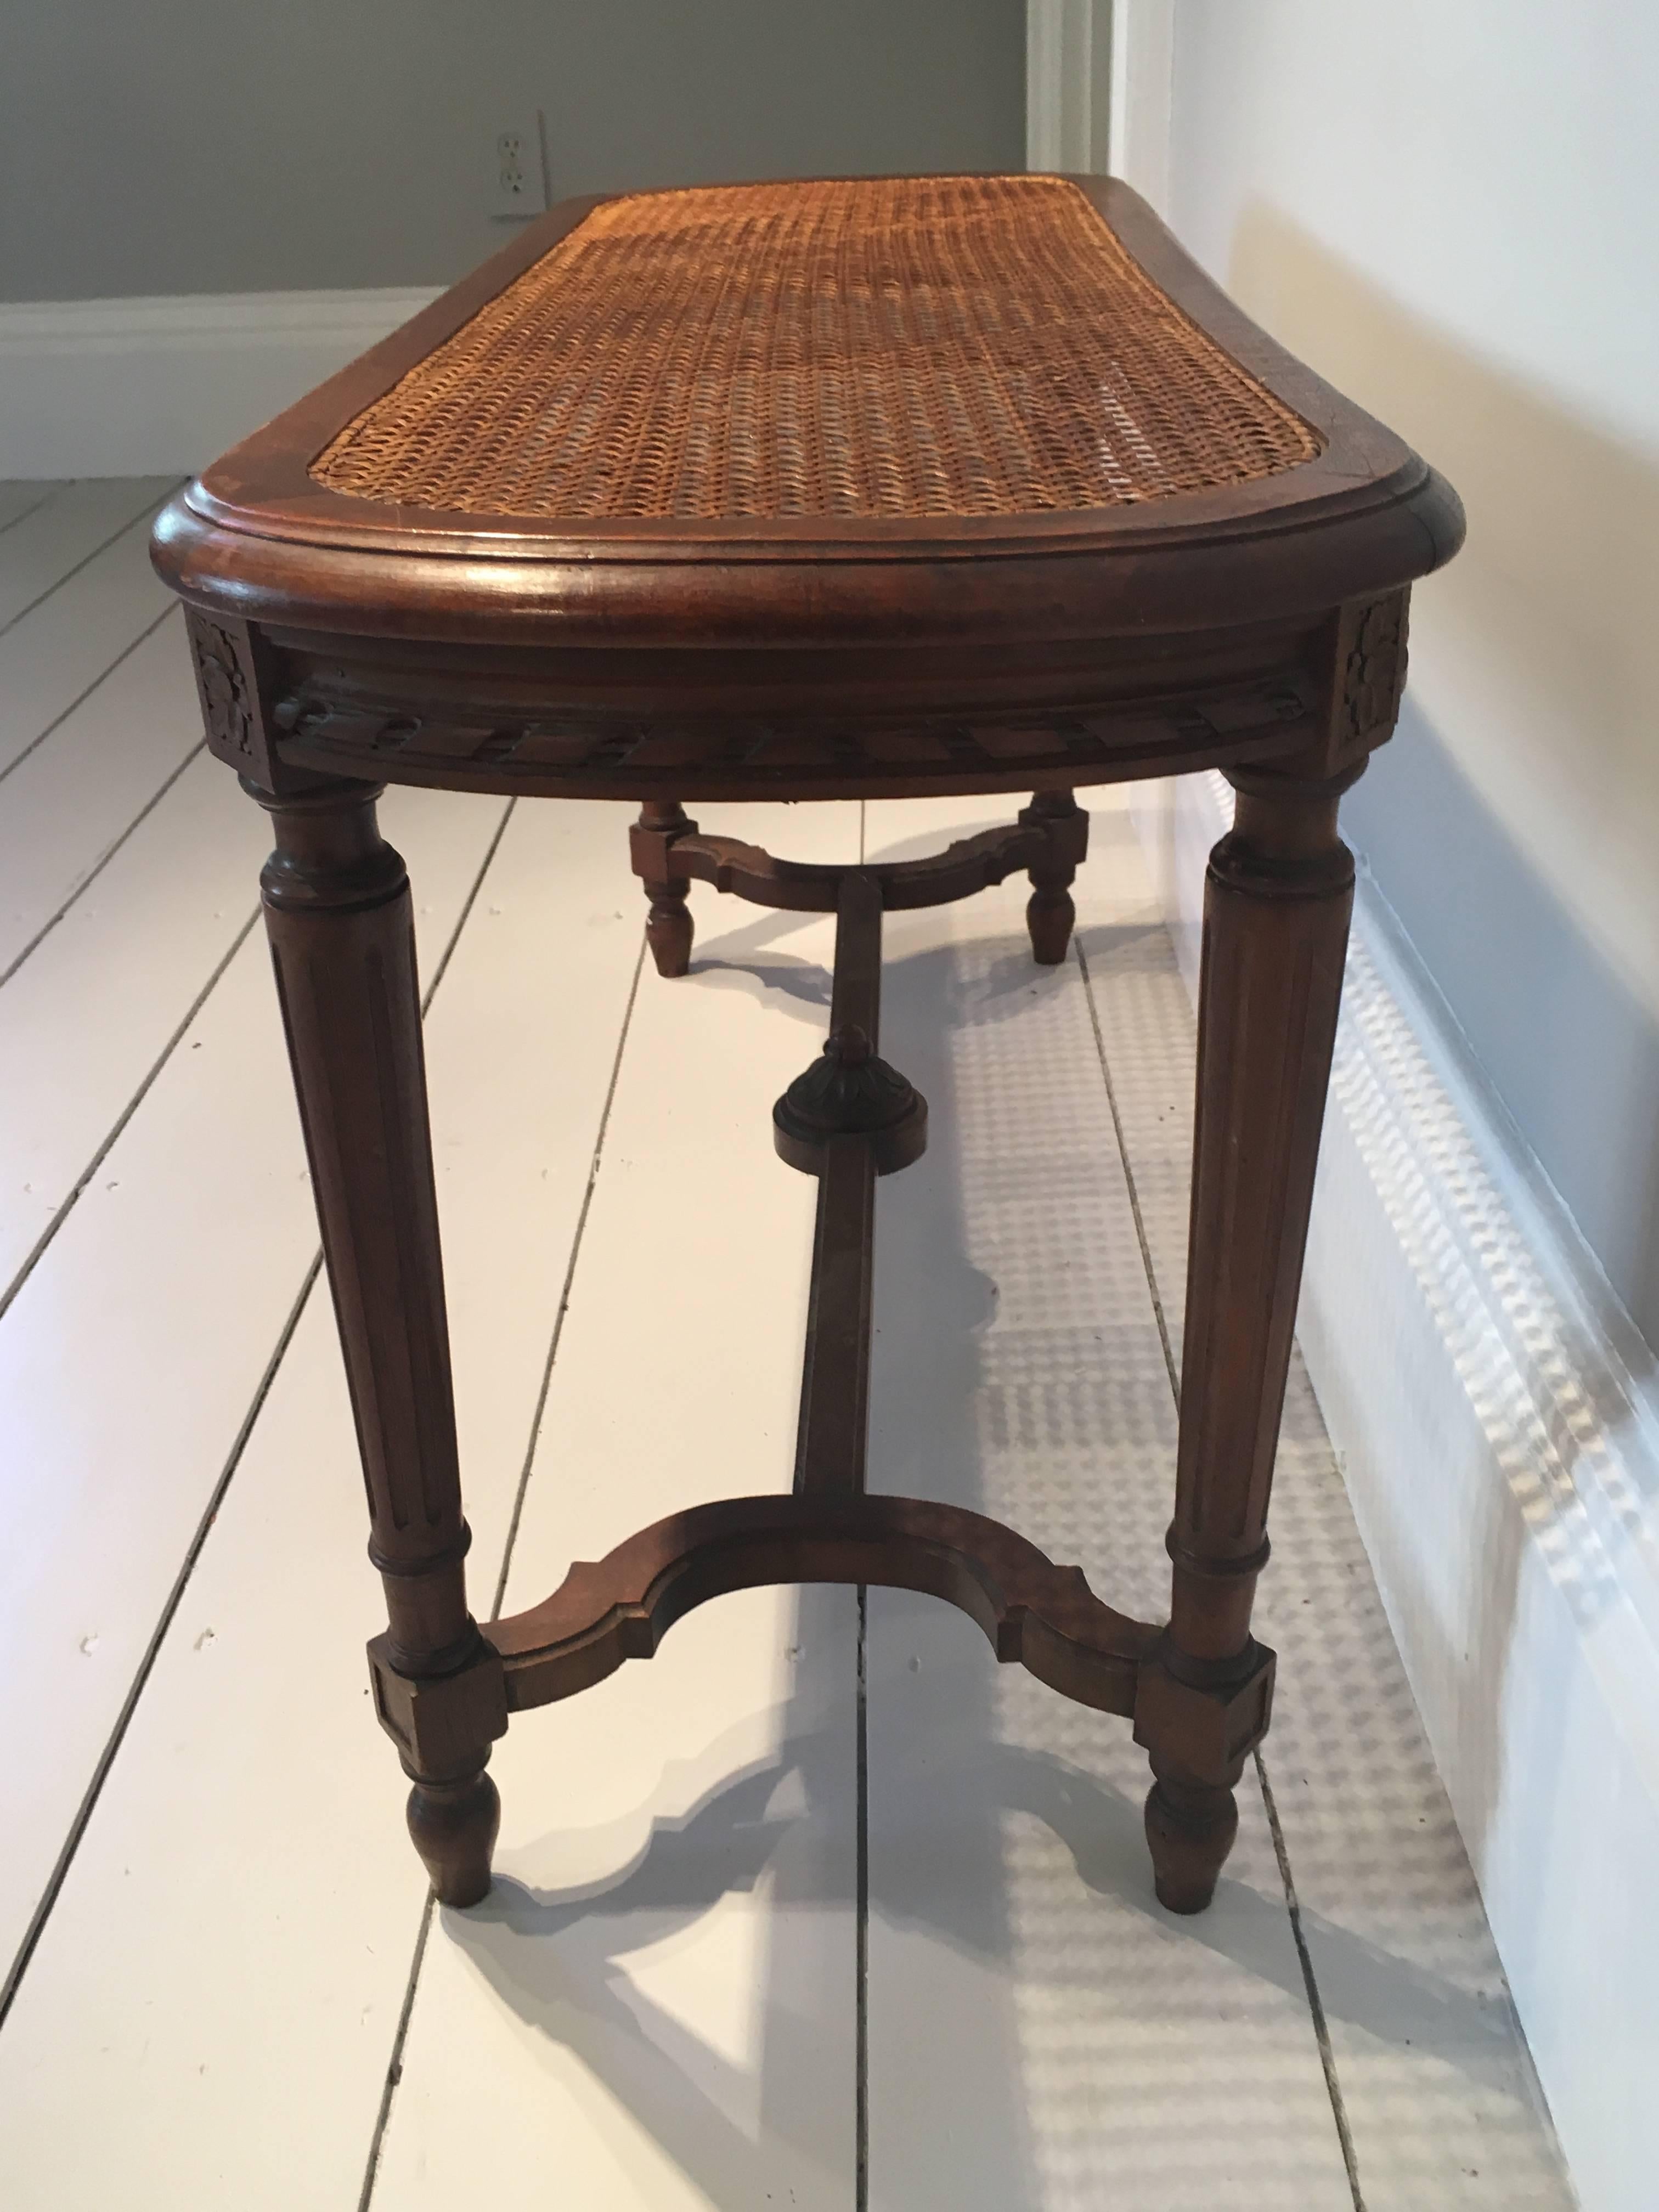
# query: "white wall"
[1450,210]
[1453,211]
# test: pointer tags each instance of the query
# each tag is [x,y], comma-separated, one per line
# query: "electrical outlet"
[518,169]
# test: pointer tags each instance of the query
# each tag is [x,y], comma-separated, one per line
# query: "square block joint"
[440,1723]
[1205,1730]
[651,854]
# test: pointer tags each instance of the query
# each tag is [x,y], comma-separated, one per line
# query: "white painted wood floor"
[820,1909]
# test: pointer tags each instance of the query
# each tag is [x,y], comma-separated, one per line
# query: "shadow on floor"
[559,1958]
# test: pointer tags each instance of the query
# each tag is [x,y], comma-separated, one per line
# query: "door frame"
[1098,88]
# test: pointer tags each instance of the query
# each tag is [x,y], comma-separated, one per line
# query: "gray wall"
[178,146]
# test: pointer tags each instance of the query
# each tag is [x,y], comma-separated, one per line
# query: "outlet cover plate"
[516,178]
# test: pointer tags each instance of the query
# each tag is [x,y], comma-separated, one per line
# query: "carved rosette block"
[1371,677]
[228,659]
[223,687]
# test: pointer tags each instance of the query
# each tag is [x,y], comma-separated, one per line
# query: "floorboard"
[130,1358]
[48,542]
[86,1021]
[20,498]
[66,807]
[53,656]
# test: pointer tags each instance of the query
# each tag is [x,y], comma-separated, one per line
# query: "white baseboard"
[160,386]
[1494,1413]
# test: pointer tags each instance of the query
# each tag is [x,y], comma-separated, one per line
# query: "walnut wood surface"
[1044,1617]
[808,656]
[264,487]
[1059,829]
[1278,896]
[969,865]
[338,912]
[1260,629]
[662,825]
[708,726]
[849,1100]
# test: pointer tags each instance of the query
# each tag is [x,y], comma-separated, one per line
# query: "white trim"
[1142,86]
[1497,1420]
[1067,84]
[1044,23]
[158,386]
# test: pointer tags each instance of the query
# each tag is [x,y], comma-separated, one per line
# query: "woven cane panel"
[879,347]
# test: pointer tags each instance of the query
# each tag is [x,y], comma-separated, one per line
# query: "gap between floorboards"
[53,1888]
[1316,2003]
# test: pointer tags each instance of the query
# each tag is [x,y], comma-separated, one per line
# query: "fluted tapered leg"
[337,911]
[1277,904]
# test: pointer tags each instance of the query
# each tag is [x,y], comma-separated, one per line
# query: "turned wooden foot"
[668,927]
[454,1825]
[1190,1827]
[668,932]
[1049,917]
[1049,912]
